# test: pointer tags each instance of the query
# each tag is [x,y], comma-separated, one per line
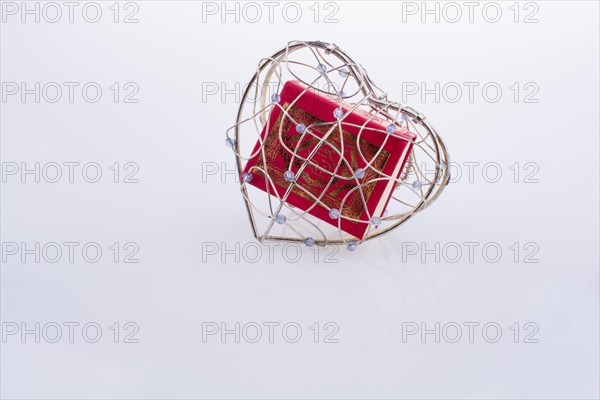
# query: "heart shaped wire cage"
[328,70]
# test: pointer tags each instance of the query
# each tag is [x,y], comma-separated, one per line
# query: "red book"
[330,181]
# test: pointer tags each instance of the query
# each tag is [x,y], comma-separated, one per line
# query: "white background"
[176,131]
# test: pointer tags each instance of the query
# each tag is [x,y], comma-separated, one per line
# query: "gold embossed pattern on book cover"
[315,180]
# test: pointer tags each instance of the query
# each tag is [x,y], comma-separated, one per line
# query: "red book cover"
[295,132]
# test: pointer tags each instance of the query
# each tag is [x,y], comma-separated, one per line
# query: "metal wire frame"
[376,101]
